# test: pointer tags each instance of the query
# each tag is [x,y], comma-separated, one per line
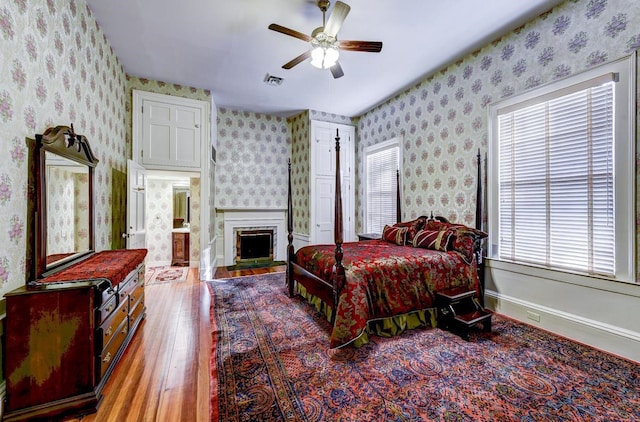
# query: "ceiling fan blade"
[336,71]
[290,32]
[368,46]
[302,57]
[338,15]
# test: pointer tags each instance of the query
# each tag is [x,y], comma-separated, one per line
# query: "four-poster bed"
[390,282]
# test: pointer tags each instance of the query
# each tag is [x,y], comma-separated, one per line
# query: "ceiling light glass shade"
[325,51]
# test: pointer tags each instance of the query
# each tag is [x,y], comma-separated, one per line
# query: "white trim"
[205,148]
[607,337]
[300,240]
[347,196]
[249,218]
[625,140]
[398,142]
[599,312]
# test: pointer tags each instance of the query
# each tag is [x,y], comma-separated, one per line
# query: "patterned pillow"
[437,240]
[414,227]
[397,235]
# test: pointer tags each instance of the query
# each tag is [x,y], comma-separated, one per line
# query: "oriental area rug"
[270,362]
[160,275]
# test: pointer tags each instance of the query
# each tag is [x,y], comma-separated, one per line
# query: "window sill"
[629,288]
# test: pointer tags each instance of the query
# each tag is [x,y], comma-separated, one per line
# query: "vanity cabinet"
[180,249]
[66,333]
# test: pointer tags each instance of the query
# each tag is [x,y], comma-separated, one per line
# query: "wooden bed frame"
[329,290]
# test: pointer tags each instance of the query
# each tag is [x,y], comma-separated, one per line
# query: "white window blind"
[381,166]
[556,180]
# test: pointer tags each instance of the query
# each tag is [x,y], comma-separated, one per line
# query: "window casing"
[561,187]
[381,163]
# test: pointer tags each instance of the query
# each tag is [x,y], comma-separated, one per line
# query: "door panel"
[323,180]
[171,134]
[136,202]
[324,209]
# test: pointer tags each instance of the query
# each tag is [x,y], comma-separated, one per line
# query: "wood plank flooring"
[164,374]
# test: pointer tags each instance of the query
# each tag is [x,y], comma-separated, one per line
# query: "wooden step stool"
[459,311]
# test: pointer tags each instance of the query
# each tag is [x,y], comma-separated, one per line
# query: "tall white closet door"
[322,179]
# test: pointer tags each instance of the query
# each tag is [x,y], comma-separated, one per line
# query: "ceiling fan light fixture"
[325,51]
[324,58]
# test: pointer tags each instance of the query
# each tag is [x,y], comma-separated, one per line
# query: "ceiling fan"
[324,44]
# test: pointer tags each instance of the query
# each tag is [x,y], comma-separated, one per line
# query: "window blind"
[381,187]
[556,181]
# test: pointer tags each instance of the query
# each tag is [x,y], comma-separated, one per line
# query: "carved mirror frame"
[61,141]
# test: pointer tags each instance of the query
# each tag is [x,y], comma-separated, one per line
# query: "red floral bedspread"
[384,280]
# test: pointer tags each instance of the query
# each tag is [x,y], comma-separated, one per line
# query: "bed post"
[338,272]
[398,209]
[478,247]
[289,276]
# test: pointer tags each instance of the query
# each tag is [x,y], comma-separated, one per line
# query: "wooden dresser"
[66,332]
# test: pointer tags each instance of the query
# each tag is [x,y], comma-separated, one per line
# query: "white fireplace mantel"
[241,219]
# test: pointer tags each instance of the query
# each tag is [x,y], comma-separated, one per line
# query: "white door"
[323,170]
[324,212]
[136,202]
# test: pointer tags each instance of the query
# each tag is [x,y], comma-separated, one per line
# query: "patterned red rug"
[270,362]
[160,275]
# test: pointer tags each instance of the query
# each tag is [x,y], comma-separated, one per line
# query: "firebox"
[254,245]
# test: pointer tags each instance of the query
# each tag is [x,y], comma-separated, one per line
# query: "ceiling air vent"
[273,80]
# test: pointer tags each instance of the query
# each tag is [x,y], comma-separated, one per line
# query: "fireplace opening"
[254,245]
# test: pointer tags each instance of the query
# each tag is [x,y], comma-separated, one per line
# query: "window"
[382,162]
[561,158]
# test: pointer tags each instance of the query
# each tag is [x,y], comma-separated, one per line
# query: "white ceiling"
[225,46]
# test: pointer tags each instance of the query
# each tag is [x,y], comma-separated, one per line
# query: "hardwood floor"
[164,374]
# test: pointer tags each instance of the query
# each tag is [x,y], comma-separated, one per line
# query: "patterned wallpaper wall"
[300,135]
[194,238]
[251,170]
[444,118]
[57,68]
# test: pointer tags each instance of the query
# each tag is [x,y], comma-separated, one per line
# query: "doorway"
[173,215]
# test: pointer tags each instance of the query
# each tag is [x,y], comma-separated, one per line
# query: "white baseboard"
[150,264]
[300,240]
[606,337]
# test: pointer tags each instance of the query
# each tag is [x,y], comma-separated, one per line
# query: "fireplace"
[244,221]
[254,245]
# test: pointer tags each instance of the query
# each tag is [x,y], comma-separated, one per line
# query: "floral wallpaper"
[251,168]
[300,135]
[443,119]
[57,68]
[194,238]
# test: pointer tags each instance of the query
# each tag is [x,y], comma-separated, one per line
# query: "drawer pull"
[125,330]
[107,358]
[108,332]
[133,298]
[109,308]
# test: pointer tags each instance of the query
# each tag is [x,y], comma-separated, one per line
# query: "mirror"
[181,205]
[64,165]
[67,198]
